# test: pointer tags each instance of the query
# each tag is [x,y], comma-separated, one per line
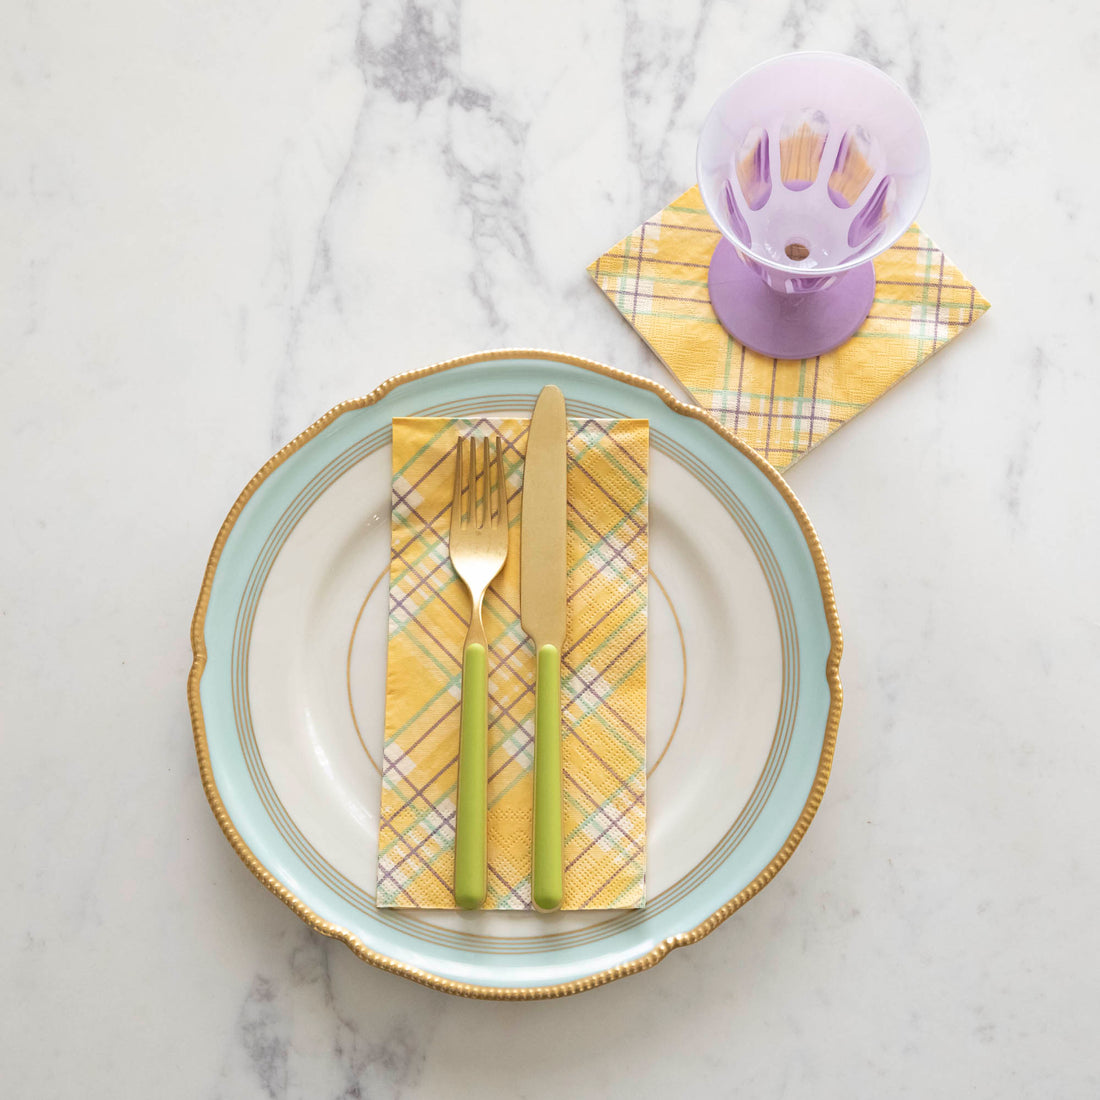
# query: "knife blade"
[543,617]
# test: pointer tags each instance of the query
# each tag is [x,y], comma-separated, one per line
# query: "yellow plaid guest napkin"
[603,674]
[657,279]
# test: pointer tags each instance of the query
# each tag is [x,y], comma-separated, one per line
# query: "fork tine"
[502,488]
[486,497]
[456,503]
[471,486]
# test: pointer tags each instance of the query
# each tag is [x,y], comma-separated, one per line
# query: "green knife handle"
[546,856]
[473,765]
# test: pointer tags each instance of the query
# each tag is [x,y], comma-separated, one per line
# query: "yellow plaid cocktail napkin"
[657,279]
[603,674]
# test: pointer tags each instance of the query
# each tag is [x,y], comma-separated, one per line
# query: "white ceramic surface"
[287,743]
[313,744]
[213,217]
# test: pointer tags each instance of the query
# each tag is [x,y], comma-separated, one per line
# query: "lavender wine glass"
[811,165]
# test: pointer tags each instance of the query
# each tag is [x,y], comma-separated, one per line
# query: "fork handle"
[546,855]
[470,823]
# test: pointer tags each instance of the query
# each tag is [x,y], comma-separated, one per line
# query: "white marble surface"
[218,219]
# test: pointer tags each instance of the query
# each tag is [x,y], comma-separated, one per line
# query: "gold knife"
[542,614]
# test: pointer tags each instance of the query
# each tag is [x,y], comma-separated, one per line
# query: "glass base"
[787,326]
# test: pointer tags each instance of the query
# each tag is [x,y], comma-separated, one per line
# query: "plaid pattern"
[603,674]
[657,279]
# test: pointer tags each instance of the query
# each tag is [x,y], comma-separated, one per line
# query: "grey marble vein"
[298,1034]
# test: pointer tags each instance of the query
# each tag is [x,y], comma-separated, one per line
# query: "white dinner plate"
[287,686]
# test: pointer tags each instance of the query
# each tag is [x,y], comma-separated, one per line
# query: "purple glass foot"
[787,326]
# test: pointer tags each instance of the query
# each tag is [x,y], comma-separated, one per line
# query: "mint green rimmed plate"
[287,686]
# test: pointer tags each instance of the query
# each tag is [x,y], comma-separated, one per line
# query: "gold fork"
[479,545]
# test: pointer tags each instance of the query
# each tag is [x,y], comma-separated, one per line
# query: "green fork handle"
[546,855]
[470,824]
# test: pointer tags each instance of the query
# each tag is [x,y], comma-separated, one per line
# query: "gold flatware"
[543,615]
[478,546]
